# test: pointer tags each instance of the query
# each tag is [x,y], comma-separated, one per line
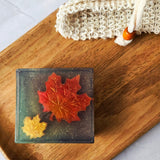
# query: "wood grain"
[126,87]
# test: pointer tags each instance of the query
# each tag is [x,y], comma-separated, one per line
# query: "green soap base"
[29,81]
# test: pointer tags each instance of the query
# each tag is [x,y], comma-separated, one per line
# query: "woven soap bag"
[86,19]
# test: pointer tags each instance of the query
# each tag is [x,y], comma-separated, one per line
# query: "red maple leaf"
[62,99]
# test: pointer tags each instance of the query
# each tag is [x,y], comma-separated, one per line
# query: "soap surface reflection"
[29,81]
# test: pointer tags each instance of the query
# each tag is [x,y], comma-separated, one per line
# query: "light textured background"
[19,16]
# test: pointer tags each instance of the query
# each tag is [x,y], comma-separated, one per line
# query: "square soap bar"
[30,112]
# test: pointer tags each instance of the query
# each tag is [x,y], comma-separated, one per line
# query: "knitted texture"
[86,19]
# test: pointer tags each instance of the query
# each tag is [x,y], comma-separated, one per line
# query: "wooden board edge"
[13,44]
[138,136]
[4,154]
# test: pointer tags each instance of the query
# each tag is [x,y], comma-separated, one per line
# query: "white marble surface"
[18,16]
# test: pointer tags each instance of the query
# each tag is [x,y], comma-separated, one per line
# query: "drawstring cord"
[135,21]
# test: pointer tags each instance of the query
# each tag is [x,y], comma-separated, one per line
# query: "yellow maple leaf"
[33,127]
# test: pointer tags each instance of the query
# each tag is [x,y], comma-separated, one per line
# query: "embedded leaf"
[33,127]
[62,100]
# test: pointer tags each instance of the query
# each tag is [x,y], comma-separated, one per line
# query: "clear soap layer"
[29,81]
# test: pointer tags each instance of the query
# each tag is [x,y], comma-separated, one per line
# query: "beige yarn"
[86,19]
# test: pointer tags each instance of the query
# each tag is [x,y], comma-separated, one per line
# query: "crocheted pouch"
[86,19]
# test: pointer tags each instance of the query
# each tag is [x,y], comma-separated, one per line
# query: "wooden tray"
[127,90]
